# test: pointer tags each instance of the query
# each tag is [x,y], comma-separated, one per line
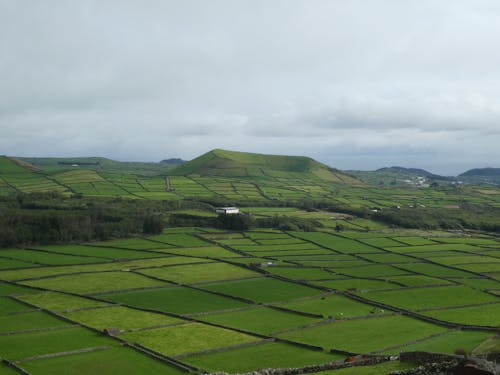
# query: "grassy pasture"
[447,342]
[102,252]
[262,320]
[209,251]
[341,244]
[300,273]
[421,298]
[373,270]
[355,284]
[29,320]
[60,302]
[487,315]
[179,239]
[111,266]
[178,300]
[364,335]
[261,356]
[117,360]
[381,242]
[199,273]
[45,258]
[24,345]
[13,263]
[11,289]
[88,283]
[121,317]
[380,369]
[187,338]
[264,289]
[9,305]
[336,306]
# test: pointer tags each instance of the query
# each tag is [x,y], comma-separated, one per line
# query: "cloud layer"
[355,84]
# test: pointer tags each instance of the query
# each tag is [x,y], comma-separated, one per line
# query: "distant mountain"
[98,164]
[243,164]
[401,176]
[414,171]
[491,172]
[481,176]
[173,161]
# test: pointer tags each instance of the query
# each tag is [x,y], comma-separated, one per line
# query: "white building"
[227,210]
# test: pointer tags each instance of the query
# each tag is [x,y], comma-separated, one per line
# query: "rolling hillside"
[242,164]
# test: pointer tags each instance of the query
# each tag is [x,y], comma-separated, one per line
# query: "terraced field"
[199,299]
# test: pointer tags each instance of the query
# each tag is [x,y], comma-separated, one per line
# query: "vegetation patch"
[88,283]
[179,300]
[364,335]
[187,338]
[261,356]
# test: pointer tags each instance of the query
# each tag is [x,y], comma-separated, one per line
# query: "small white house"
[227,210]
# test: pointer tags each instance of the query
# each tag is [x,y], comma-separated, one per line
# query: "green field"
[327,262]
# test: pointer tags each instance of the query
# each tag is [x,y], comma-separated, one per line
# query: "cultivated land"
[201,299]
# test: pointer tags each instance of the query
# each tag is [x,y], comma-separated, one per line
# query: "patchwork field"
[210,300]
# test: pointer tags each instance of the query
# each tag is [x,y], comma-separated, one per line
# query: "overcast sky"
[355,84]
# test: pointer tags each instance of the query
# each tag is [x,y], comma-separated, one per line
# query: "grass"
[344,245]
[355,284]
[300,273]
[336,306]
[447,343]
[199,273]
[263,289]
[380,369]
[8,306]
[102,252]
[262,320]
[19,346]
[364,335]
[11,289]
[29,320]
[485,315]
[117,360]
[46,258]
[415,299]
[121,317]
[209,251]
[176,299]
[89,283]
[261,356]
[60,302]
[187,338]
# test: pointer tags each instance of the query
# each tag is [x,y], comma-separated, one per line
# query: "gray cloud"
[356,84]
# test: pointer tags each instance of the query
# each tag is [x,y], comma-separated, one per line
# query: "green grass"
[263,289]
[118,360]
[187,338]
[336,306]
[446,343]
[29,320]
[60,302]
[11,289]
[121,317]
[261,356]
[415,299]
[101,252]
[177,300]
[364,335]
[485,315]
[262,320]
[341,244]
[380,369]
[356,284]
[47,258]
[12,263]
[9,305]
[209,251]
[89,283]
[300,273]
[199,273]
[15,347]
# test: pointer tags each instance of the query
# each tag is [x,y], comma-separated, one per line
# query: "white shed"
[227,210]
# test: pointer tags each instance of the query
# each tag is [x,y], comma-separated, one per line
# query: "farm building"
[227,210]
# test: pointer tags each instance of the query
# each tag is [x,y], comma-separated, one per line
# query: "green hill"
[243,164]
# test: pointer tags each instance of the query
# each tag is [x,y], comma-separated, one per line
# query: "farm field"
[321,275]
[234,311]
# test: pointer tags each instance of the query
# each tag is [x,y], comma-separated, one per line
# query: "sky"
[355,84]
